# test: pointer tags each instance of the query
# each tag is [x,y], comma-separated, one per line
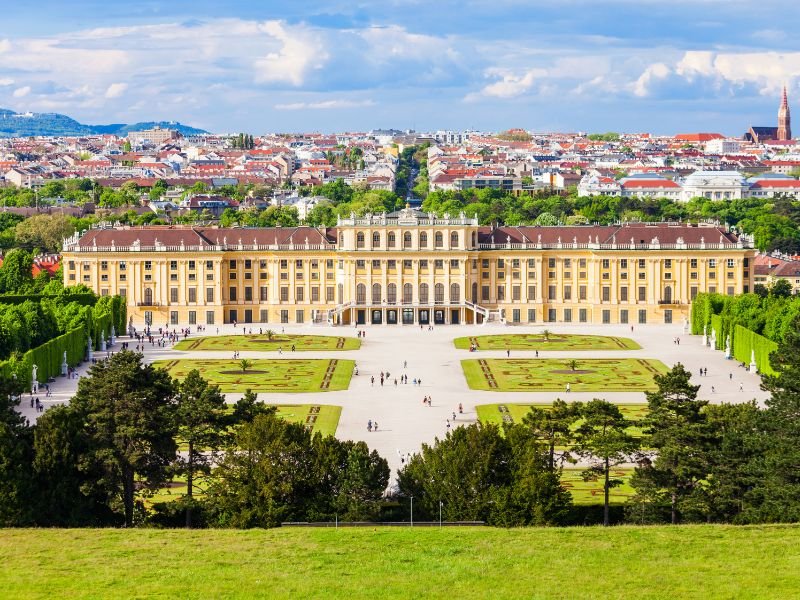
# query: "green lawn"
[550,374]
[514,413]
[261,342]
[591,492]
[268,375]
[537,341]
[705,562]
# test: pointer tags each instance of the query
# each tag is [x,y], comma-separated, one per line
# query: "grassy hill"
[392,562]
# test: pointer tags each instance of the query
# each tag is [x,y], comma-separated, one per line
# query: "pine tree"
[678,431]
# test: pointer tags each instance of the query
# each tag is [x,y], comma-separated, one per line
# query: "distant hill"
[13,124]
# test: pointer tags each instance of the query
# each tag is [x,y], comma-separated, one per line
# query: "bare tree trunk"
[127,494]
[674,508]
[189,485]
[605,500]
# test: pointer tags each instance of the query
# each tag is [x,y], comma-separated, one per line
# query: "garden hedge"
[745,341]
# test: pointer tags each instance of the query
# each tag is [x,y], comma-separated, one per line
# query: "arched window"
[360,239]
[361,294]
[341,240]
[668,295]
[455,293]
[423,293]
[408,293]
[474,293]
[391,293]
[438,240]
[423,240]
[340,293]
[454,239]
[407,239]
[438,293]
[376,293]
[148,296]
[376,240]
[474,240]
[392,239]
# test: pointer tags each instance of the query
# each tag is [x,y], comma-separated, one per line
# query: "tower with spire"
[784,119]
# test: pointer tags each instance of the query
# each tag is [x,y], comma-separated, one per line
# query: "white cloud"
[6,81]
[656,71]
[22,91]
[301,51]
[115,90]
[5,46]
[509,84]
[325,105]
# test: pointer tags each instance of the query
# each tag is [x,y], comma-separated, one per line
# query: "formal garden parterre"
[267,375]
[512,413]
[270,342]
[545,340]
[548,374]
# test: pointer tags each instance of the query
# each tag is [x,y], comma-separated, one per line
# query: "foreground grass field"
[267,375]
[554,341]
[550,374]
[707,562]
[279,341]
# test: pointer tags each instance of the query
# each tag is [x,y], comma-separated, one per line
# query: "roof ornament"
[539,239]
[225,240]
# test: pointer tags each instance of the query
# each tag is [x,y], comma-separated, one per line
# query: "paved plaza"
[404,423]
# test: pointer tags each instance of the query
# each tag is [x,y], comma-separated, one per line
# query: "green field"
[514,413]
[550,374]
[279,341]
[268,375]
[642,563]
[537,341]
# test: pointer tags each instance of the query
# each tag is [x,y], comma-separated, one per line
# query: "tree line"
[131,429]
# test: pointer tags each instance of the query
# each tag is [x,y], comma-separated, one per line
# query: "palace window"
[423,240]
[407,239]
[423,293]
[438,240]
[360,239]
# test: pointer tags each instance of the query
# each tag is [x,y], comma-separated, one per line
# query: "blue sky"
[258,66]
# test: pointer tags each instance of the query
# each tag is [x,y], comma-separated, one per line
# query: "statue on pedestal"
[64,365]
[728,347]
[89,349]
[753,365]
[34,379]
[705,336]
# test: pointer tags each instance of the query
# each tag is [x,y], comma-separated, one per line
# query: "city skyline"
[331,66]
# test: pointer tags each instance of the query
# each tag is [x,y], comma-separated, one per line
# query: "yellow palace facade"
[410,268]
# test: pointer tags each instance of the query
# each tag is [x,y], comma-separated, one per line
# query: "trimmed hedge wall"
[100,315]
[745,341]
[48,358]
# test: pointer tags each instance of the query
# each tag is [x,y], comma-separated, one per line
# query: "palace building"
[410,268]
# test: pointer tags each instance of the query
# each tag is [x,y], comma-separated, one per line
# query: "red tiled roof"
[650,183]
[776,183]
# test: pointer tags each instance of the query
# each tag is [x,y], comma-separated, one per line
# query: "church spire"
[784,119]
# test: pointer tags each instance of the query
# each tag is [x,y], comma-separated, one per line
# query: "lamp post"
[440,514]
[412,511]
